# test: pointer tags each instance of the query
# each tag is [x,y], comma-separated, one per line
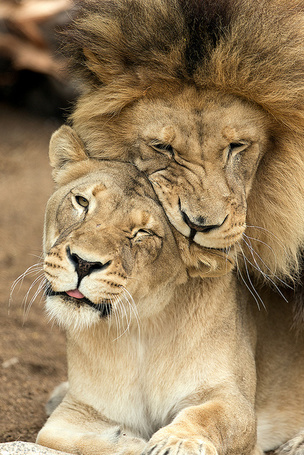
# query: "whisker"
[38,256]
[133,278]
[110,316]
[248,287]
[40,290]
[270,233]
[125,307]
[123,313]
[125,330]
[258,268]
[131,306]
[227,251]
[27,306]
[35,269]
[134,309]
[118,315]
[250,281]
[260,241]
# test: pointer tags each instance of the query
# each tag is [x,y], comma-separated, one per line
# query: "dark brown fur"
[251,49]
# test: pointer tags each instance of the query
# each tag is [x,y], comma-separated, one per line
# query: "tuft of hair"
[124,50]
[250,49]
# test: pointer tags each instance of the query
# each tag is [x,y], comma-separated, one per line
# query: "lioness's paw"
[130,445]
[174,445]
[294,446]
[110,443]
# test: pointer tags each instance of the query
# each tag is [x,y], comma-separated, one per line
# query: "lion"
[160,360]
[207,99]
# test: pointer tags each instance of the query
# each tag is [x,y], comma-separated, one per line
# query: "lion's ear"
[65,147]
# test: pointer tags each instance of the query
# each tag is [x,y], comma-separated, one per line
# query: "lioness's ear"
[65,147]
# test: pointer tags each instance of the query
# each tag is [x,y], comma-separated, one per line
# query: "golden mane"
[125,50]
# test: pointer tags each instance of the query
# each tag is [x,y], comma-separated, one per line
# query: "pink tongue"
[75,293]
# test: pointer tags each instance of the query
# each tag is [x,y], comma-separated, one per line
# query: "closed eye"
[141,234]
[162,147]
[236,147]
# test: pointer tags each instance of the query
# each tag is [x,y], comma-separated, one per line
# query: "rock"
[26,448]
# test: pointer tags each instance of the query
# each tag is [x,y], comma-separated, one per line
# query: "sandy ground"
[32,351]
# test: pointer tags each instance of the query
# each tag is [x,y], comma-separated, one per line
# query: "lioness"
[160,361]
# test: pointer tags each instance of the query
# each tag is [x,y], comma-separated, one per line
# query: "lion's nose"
[83,267]
[200,225]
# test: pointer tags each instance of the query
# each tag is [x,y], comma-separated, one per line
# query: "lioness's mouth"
[104,307]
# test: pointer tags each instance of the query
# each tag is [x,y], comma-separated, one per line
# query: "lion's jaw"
[200,151]
[102,256]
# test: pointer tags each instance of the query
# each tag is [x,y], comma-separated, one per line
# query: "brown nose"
[83,267]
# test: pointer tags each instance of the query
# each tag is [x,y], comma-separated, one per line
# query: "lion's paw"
[175,445]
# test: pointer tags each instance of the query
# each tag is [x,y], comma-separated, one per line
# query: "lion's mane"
[124,50]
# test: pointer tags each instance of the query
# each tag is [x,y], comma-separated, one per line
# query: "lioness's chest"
[141,385]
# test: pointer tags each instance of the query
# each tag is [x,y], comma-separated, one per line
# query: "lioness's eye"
[162,147]
[82,201]
[138,235]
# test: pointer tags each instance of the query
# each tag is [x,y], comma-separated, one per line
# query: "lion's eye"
[162,147]
[236,147]
[82,201]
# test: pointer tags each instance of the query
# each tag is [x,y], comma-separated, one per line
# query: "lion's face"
[199,152]
[214,116]
[106,243]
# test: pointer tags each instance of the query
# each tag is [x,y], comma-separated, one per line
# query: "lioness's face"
[200,151]
[108,245]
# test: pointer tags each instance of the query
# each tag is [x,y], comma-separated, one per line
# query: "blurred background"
[36,96]
[33,73]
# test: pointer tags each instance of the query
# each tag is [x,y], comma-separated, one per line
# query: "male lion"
[118,284]
[207,99]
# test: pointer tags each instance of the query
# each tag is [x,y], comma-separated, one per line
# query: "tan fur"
[198,76]
[179,364]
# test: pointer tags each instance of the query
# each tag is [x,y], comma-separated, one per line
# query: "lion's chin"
[217,244]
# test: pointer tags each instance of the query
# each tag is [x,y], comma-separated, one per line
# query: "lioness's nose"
[83,267]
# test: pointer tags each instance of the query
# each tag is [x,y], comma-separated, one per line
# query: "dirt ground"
[32,350]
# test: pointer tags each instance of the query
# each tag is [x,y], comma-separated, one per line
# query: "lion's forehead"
[202,124]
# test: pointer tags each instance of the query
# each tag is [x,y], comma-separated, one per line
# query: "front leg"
[216,427]
[77,428]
